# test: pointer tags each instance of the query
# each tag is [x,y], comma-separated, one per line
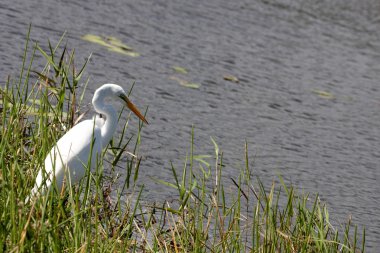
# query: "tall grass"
[97,215]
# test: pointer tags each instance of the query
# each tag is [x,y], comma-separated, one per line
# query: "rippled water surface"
[307,101]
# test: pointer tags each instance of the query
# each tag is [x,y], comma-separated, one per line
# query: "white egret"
[70,156]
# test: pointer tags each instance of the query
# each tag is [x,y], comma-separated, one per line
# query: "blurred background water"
[307,100]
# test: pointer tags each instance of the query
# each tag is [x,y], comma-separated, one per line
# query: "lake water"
[307,101]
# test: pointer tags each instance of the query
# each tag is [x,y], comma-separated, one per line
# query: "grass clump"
[210,214]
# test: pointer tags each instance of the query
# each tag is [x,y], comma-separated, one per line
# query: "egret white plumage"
[70,156]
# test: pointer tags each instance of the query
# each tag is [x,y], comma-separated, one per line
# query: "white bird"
[71,155]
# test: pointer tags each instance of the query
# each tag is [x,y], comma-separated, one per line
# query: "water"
[283,52]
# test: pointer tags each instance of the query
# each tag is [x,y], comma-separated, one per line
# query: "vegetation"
[208,216]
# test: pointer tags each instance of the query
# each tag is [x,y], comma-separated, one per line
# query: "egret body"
[71,155]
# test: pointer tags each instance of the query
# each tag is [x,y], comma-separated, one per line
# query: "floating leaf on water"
[231,78]
[180,69]
[122,51]
[185,83]
[324,94]
[192,85]
[95,39]
[112,44]
[118,43]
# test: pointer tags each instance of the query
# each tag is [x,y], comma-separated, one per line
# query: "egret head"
[115,91]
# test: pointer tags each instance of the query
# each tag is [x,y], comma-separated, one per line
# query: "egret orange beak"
[133,108]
